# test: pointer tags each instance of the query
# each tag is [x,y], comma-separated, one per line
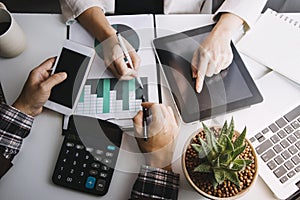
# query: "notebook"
[275,42]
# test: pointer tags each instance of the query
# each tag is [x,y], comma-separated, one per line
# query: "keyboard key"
[103,175]
[273,128]
[286,155]
[275,139]
[292,114]
[263,147]
[284,143]
[258,136]
[291,139]
[280,171]
[296,160]
[289,165]
[272,165]
[277,148]
[297,134]
[279,160]
[283,179]
[111,148]
[297,169]
[291,174]
[295,124]
[288,129]
[268,155]
[266,130]
[281,122]
[293,150]
[105,168]
[281,134]
[252,139]
[298,144]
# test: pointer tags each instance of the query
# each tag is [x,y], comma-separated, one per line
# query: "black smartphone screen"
[75,65]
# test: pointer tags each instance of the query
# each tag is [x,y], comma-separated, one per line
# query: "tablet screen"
[75,65]
[233,88]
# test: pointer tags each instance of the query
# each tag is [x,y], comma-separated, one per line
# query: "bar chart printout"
[111,98]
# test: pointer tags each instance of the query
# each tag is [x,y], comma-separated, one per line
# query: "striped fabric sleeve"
[14,127]
[155,183]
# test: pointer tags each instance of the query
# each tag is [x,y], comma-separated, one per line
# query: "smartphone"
[75,59]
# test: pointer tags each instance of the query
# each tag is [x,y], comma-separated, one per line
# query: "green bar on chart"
[81,99]
[106,95]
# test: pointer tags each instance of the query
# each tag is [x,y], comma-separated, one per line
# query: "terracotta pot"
[187,175]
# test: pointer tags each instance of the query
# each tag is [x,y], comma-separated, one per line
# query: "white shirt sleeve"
[73,8]
[248,10]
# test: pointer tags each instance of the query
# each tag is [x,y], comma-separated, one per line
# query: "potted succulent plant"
[220,162]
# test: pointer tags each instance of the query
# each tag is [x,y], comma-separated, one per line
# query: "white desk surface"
[30,178]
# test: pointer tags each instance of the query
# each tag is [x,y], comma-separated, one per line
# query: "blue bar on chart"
[111,96]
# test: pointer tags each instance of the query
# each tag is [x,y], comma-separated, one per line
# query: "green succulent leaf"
[198,148]
[237,165]
[230,130]
[240,140]
[248,162]
[238,151]
[206,149]
[225,159]
[214,182]
[229,145]
[232,176]
[211,139]
[219,175]
[203,168]
[224,128]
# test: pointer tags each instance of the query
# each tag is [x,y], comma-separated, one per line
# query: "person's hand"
[162,132]
[114,58]
[213,55]
[37,88]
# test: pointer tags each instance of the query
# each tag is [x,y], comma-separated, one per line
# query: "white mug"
[12,37]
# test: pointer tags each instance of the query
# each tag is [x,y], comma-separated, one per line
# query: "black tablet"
[232,89]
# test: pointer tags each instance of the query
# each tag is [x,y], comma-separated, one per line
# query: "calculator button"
[95,165]
[107,161]
[100,185]
[90,182]
[105,168]
[93,172]
[111,148]
[89,149]
[103,175]
[70,144]
[69,179]
[97,158]
[109,154]
[79,146]
[99,152]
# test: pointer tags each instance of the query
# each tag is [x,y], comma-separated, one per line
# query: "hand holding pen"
[127,57]
[162,132]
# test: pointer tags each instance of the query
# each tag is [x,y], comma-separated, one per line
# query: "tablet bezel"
[186,117]
[81,49]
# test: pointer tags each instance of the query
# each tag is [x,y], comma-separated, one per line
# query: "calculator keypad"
[87,169]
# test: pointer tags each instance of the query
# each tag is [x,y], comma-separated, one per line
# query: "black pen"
[145,128]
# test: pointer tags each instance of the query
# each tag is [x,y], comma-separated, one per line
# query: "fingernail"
[63,75]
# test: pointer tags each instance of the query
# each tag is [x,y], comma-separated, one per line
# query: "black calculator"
[88,155]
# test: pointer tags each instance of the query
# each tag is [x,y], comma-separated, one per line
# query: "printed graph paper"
[111,98]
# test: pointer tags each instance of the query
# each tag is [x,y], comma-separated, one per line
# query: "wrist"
[24,108]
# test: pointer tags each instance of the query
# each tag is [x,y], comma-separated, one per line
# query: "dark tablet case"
[232,89]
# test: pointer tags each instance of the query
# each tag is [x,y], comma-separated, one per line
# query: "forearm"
[155,183]
[227,25]
[95,22]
